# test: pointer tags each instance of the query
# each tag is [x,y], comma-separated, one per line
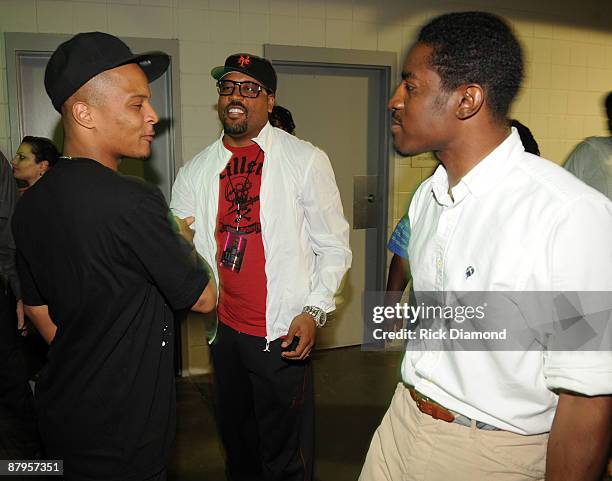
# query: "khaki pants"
[412,446]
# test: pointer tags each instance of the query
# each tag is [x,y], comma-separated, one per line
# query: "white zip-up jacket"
[304,232]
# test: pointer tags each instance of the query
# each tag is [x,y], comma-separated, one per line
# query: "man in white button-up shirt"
[492,218]
[268,218]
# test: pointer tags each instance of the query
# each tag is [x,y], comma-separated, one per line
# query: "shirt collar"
[439,186]
[484,176]
[264,138]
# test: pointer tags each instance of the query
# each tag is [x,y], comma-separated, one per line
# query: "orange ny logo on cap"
[244,61]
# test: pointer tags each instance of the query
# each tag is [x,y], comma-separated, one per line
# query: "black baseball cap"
[257,67]
[86,55]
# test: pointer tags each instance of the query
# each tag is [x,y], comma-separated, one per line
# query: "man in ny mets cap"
[102,271]
[269,220]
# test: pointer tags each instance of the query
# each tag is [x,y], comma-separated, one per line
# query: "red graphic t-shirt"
[240,254]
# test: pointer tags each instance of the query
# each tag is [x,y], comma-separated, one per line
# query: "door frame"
[385,63]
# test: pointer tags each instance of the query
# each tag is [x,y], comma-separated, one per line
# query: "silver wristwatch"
[320,316]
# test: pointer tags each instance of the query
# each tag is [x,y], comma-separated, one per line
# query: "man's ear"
[82,114]
[472,100]
[271,101]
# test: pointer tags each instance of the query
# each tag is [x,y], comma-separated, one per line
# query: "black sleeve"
[29,291]
[165,255]
[8,198]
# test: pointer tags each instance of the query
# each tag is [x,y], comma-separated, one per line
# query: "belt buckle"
[443,414]
[424,406]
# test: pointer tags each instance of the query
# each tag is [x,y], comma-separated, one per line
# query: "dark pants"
[265,409]
[19,437]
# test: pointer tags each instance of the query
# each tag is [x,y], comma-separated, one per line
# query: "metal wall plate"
[365,201]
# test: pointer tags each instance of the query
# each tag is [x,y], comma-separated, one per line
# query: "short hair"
[608,104]
[43,149]
[92,92]
[527,138]
[281,117]
[476,47]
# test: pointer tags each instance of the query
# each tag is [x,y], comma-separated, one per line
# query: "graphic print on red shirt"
[242,290]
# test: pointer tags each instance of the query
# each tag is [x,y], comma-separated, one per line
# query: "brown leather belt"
[430,407]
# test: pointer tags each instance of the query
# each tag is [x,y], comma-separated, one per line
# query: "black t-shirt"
[99,250]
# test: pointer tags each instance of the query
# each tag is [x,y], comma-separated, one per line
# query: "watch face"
[319,315]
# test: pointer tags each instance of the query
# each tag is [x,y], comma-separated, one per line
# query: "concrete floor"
[353,389]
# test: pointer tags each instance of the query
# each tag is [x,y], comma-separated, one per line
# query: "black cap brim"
[153,64]
[219,72]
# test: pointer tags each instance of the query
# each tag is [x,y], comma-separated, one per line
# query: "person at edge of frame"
[519,223]
[19,437]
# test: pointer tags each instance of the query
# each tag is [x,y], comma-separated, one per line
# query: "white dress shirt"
[521,223]
[304,232]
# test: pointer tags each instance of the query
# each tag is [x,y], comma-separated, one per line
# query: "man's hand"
[304,327]
[184,230]
[39,315]
[21,325]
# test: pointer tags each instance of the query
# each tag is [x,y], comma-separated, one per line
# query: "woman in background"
[33,158]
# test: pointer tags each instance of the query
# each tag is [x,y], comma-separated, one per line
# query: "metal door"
[341,109]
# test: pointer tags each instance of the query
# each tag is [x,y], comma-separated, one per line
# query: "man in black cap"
[102,271]
[269,220]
